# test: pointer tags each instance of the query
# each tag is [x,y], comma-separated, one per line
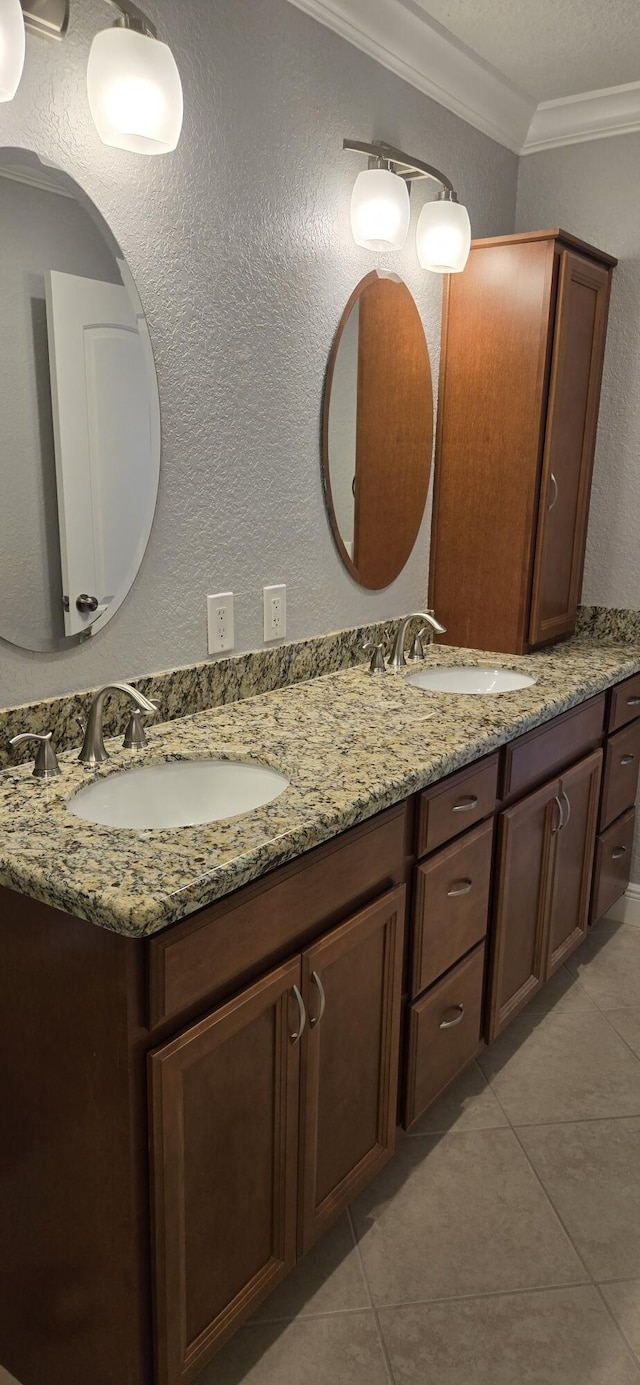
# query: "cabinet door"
[575,848]
[572,417]
[526,848]
[352,983]
[224,1144]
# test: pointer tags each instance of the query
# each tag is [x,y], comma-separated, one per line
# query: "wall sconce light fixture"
[12,48]
[380,209]
[133,82]
[134,86]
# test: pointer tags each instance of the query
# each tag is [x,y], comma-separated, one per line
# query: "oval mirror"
[80,460]
[378,430]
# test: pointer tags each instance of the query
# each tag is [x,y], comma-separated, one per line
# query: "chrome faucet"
[93,749]
[397,656]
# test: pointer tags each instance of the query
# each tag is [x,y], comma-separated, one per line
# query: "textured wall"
[241,248]
[593,190]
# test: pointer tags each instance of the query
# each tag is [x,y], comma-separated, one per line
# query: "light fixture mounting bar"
[403,164]
[46,18]
[130,17]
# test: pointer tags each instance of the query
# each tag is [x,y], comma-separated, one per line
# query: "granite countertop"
[350,744]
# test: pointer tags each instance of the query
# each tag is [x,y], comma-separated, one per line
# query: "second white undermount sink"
[474,682]
[178,793]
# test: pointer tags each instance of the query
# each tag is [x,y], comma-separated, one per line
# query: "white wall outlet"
[275,613]
[220,622]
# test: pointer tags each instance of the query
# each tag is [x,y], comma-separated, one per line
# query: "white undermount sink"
[178,793]
[474,682]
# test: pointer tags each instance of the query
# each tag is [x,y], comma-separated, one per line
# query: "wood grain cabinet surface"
[523,348]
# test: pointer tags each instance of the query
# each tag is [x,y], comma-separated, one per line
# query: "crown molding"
[401,36]
[592,115]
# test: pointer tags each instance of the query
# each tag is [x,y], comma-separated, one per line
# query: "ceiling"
[549,49]
[532,74]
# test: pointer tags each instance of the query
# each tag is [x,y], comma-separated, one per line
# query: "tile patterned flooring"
[502,1245]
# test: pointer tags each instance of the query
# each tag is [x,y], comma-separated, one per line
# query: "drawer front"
[457,803]
[620,779]
[226,946]
[543,752]
[614,849]
[625,703]
[451,905]
[444,1033]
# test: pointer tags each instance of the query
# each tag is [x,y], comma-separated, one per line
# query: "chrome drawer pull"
[323,1000]
[627,759]
[296,1037]
[451,1024]
[633,702]
[566,799]
[467,805]
[618,853]
[555,830]
[553,502]
[463,887]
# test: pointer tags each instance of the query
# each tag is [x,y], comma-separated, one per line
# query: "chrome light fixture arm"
[405,165]
[50,18]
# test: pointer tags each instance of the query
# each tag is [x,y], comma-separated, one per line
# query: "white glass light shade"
[380,210]
[135,92]
[443,237]
[12,47]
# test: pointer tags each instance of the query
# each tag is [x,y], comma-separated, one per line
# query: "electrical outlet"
[275,613]
[220,622]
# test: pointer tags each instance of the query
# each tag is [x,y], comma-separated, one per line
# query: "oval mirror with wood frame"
[378,430]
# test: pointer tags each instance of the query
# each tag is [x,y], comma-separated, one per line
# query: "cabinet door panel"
[352,982]
[574,395]
[575,847]
[526,848]
[224,1113]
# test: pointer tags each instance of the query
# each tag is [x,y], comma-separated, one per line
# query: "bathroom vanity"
[191,1104]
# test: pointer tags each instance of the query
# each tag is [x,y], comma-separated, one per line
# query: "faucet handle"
[135,737]
[417,649]
[46,764]
[377,664]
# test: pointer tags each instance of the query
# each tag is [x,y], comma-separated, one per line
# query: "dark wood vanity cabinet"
[190,1112]
[267,1117]
[522,355]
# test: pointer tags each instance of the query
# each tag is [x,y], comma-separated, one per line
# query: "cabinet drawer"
[547,749]
[449,808]
[625,703]
[444,1033]
[233,941]
[620,779]
[451,905]
[612,872]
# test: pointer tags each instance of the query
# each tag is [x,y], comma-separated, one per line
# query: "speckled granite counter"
[350,744]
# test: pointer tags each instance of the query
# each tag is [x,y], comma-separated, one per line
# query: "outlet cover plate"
[220,623]
[275,614]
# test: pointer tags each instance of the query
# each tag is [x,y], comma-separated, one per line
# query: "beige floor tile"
[608,966]
[460,1214]
[627,1023]
[566,1066]
[591,1172]
[561,992]
[624,1302]
[328,1280]
[310,1351]
[559,1337]
[6,1379]
[469,1104]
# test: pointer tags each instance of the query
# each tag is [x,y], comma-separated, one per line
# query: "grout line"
[381,1341]
[486,1294]
[301,1316]
[621,1333]
[575,1120]
[605,1015]
[554,1209]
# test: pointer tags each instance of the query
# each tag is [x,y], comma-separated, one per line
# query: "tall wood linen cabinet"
[522,353]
